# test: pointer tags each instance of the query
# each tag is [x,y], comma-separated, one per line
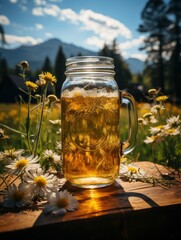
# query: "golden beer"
[91,145]
[90,114]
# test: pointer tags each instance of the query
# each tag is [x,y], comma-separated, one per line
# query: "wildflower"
[17,196]
[123,159]
[38,97]
[12,153]
[131,171]
[161,98]
[51,160]
[31,85]
[47,77]
[152,139]
[52,98]
[61,202]
[41,82]
[51,156]
[157,108]
[140,121]
[155,130]
[55,122]
[171,132]
[152,91]
[21,163]
[173,121]
[41,183]
[149,118]
[24,64]
[2,134]
[59,146]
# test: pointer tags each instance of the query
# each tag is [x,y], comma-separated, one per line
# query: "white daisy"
[157,129]
[17,196]
[173,121]
[51,156]
[23,163]
[61,202]
[41,183]
[171,131]
[156,108]
[131,171]
[12,153]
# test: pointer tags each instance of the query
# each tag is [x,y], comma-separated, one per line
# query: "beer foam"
[96,92]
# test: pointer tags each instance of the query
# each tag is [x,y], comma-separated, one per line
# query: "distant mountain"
[135,65]
[36,54]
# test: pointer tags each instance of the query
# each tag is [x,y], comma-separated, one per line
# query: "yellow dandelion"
[161,98]
[47,77]
[31,85]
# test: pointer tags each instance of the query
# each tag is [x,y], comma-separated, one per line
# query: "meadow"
[14,116]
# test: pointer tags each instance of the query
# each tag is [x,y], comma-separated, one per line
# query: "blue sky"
[85,23]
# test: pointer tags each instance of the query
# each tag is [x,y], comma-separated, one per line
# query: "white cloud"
[132,43]
[48,34]
[69,14]
[104,27]
[40,2]
[95,41]
[13,1]
[39,26]
[38,11]
[140,56]
[27,40]
[52,10]
[4,20]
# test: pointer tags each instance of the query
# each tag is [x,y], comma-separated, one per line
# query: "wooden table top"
[126,209]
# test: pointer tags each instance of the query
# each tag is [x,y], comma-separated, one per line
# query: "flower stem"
[40,122]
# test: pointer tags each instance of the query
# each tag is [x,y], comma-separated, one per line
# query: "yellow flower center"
[171,130]
[62,202]
[40,181]
[21,163]
[160,127]
[132,169]
[18,195]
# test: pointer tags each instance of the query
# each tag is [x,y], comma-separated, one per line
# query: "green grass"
[15,117]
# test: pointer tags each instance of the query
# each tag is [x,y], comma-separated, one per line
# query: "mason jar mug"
[90,114]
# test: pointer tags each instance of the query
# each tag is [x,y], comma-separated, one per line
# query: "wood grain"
[124,210]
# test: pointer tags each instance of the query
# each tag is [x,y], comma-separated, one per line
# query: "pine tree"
[174,13]
[123,75]
[155,23]
[47,67]
[59,70]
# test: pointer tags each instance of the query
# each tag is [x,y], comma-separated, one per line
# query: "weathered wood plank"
[105,213]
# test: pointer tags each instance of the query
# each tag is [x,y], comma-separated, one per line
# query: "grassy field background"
[14,116]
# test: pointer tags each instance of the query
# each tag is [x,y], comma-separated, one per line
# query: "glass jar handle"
[128,145]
